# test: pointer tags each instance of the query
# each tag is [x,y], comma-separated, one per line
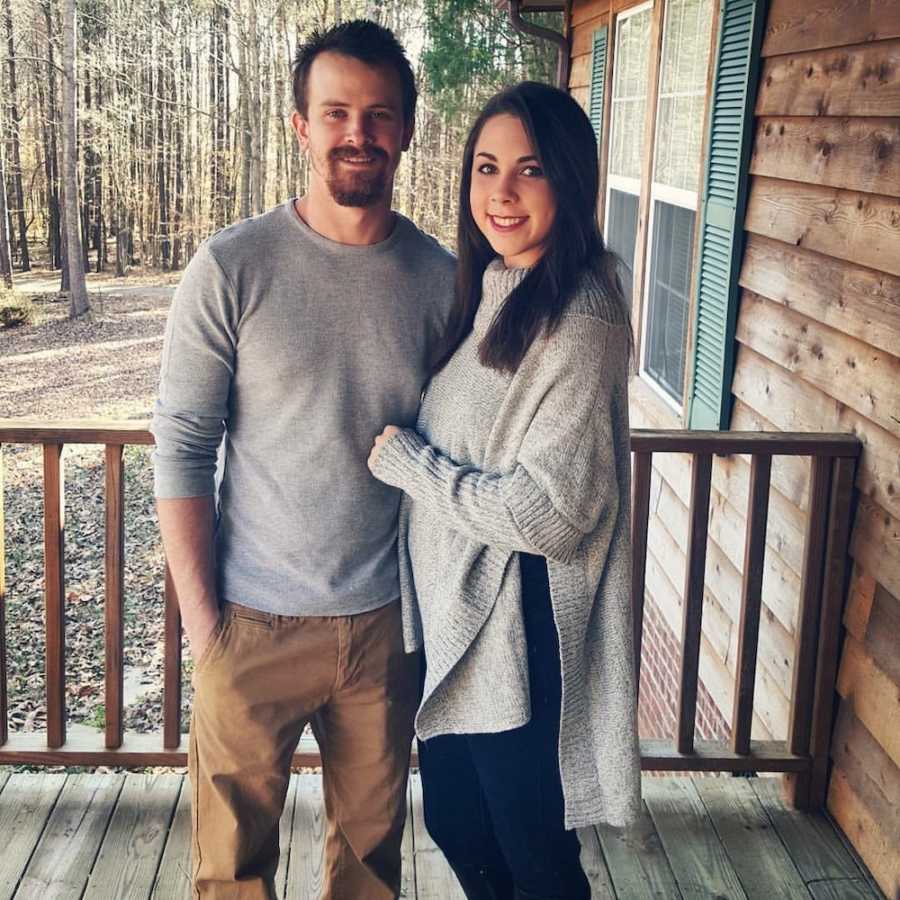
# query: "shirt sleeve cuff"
[398,461]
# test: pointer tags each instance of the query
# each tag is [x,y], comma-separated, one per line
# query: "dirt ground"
[106,366]
[102,367]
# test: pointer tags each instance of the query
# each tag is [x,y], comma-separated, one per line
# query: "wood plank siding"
[818,349]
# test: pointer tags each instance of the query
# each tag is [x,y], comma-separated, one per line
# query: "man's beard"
[350,188]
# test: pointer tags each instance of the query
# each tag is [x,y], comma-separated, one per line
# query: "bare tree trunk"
[162,186]
[5,259]
[78,299]
[178,91]
[64,244]
[218,109]
[15,160]
[257,138]
[245,125]
[337,12]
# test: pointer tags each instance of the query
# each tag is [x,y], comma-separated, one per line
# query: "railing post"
[808,627]
[55,594]
[834,592]
[692,620]
[640,523]
[171,668]
[114,703]
[751,602]
[4,697]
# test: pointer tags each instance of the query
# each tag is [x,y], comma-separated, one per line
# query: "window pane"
[670,282]
[629,94]
[621,235]
[682,92]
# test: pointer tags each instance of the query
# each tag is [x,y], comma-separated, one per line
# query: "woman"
[515,554]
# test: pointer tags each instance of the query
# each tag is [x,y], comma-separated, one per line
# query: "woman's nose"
[503,191]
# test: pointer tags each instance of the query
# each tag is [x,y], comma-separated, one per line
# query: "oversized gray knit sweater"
[537,462]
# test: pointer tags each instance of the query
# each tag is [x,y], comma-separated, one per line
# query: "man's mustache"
[350,152]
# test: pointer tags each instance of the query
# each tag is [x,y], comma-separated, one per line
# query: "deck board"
[26,803]
[637,862]
[173,878]
[434,878]
[305,870]
[285,829]
[699,862]
[113,836]
[816,849]
[759,858]
[594,865]
[132,849]
[65,854]
[841,889]
[407,854]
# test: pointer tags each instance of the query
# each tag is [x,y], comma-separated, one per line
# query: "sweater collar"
[496,285]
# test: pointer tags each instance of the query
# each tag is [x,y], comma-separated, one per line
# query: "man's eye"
[335,114]
[380,114]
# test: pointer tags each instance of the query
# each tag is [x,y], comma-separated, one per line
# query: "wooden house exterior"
[810,340]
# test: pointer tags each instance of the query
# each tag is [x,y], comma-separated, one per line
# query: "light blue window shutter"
[598,81]
[723,202]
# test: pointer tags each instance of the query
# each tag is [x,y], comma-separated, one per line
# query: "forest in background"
[182,113]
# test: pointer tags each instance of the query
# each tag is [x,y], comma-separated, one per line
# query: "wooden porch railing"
[804,753]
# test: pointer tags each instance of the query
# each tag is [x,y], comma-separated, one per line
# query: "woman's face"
[511,200]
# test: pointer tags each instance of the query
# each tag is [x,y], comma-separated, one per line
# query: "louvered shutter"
[723,203]
[598,81]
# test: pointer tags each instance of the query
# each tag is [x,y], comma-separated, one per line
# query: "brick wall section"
[660,661]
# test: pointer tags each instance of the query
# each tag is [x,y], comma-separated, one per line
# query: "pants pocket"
[211,646]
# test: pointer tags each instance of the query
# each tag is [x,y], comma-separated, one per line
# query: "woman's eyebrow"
[493,158]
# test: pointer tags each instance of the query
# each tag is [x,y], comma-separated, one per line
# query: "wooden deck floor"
[110,836]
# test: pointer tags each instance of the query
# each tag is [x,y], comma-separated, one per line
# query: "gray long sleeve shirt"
[298,350]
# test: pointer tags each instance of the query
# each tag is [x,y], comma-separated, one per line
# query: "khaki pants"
[260,680]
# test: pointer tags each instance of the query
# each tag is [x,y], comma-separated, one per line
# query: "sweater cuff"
[397,463]
[533,512]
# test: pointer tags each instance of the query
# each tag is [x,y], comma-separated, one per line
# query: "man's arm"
[188,424]
[186,525]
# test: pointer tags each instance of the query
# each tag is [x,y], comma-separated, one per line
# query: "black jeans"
[495,800]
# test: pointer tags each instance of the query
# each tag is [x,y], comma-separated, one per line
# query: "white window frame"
[620,182]
[674,197]
[685,200]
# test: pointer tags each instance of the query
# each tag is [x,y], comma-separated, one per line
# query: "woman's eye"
[533,171]
[487,169]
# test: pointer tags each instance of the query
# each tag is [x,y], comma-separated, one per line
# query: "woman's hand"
[380,441]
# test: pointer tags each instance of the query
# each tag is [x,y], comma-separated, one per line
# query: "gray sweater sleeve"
[195,382]
[564,477]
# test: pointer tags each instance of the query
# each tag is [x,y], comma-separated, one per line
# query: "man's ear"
[300,126]
[408,129]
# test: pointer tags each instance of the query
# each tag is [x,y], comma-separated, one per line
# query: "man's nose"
[358,131]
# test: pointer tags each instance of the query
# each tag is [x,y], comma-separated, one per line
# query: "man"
[297,335]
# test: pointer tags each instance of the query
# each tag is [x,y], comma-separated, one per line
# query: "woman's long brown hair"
[564,143]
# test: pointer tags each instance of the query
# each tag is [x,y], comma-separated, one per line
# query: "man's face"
[354,129]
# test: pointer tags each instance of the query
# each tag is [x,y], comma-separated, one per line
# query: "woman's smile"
[505,224]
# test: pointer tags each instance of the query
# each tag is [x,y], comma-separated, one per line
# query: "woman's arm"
[565,474]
